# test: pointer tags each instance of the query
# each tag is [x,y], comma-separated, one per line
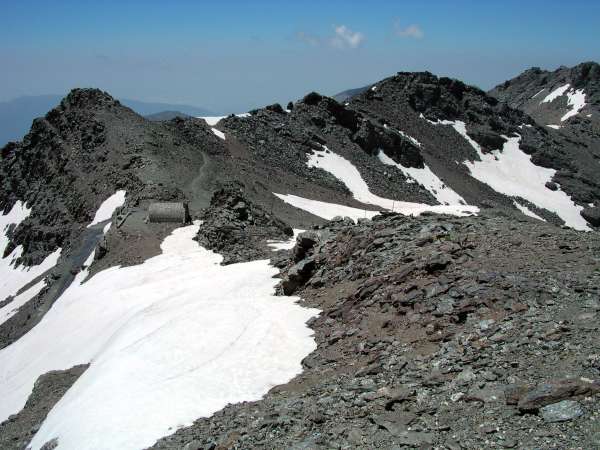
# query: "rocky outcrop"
[239,229]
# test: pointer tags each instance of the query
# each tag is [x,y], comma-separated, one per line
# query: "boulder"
[592,215]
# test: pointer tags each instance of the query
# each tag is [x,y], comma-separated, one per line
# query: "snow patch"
[558,92]
[173,339]
[525,210]
[541,90]
[284,245]
[405,135]
[512,173]
[345,171]
[427,179]
[218,133]
[12,277]
[108,207]
[326,210]
[211,121]
[556,127]
[576,100]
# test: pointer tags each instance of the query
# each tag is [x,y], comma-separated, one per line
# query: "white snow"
[525,210]
[556,127]
[576,100]
[218,133]
[541,90]
[9,310]
[427,179]
[326,210]
[13,278]
[170,340]
[284,245]
[345,171]
[211,121]
[107,208]
[512,173]
[558,92]
[374,88]
[588,115]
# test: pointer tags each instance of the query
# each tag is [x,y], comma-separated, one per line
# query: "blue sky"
[235,55]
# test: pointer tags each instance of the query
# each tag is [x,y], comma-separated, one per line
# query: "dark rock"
[592,215]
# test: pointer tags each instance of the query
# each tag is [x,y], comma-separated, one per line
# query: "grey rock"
[562,411]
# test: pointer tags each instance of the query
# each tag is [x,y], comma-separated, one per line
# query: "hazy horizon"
[235,56]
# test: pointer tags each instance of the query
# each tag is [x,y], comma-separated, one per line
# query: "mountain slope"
[567,103]
[409,304]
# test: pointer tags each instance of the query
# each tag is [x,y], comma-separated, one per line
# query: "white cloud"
[346,38]
[412,31]
[342,38]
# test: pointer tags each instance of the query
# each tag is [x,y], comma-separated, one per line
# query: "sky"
[231,56]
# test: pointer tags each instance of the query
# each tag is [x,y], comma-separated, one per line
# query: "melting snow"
[576,100]
[218,133]
[345,171]
[427,178]
[512,173]
[558,92]
[326,210]
[107,208]
[556,127]
[525,210]
[284,245]
[170,340]
[13,278]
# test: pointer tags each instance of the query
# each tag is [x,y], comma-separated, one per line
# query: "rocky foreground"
[435,332]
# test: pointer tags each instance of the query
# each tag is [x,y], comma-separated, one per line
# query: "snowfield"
[14,278]
[173,339]
[346,172]
[512,173]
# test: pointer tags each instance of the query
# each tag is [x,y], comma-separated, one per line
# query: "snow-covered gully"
[346,172]
[173,339]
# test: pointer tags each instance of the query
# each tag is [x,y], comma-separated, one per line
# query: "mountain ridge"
[458,236]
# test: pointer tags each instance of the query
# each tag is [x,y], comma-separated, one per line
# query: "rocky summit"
[416,265]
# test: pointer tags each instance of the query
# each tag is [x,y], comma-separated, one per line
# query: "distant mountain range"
[348,94]
[16,115]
